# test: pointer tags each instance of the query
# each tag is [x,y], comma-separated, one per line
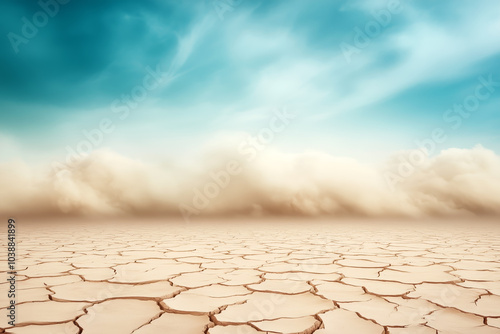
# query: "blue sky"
[228,64]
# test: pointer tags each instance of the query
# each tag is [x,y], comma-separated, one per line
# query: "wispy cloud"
[259,57]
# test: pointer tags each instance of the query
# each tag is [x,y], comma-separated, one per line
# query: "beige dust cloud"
[455,182]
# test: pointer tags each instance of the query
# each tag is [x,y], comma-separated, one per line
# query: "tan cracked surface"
[300,277]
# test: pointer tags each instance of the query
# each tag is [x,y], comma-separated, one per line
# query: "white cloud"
[430,52]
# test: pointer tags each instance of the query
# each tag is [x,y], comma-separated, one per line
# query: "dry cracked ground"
[248,278]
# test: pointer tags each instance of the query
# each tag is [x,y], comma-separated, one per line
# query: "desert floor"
[246,277]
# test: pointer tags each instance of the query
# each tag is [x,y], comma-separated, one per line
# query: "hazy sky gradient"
[228,71]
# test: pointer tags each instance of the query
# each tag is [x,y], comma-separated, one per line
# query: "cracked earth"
[249,278]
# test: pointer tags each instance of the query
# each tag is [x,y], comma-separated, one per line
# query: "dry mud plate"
[247,278]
